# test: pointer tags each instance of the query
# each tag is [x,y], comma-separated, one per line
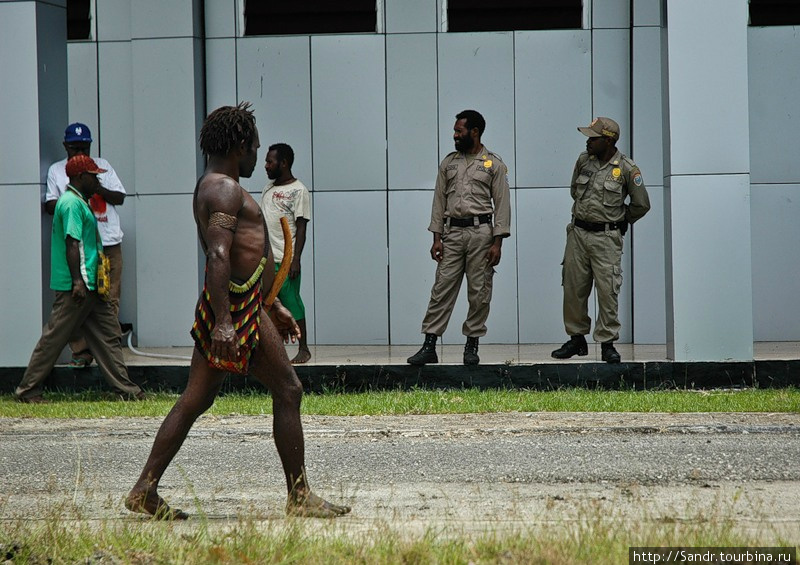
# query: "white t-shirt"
[291,201]
[108,219]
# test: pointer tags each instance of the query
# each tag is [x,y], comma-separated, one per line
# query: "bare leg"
[271,367]
[201,390]
[303,353]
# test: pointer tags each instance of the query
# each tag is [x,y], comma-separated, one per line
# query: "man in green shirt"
[73,264]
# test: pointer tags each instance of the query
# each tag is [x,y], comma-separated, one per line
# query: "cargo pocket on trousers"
[616,283]
[486,291]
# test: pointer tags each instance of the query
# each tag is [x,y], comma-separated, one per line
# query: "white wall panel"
[709,282]
[220,74]
[412,111]
[647,12]
[411,269]
[19,105]
[220,18]
[611,14]
[476,72]
[409,16]
[274,75]
[20,213]
[349,100]
[611,80]
[351,275]
[647,115]
[165,111]
[113,20]
[167,266]
[553,97]
[645,280]
[83,88]
[721,144]
[113,138]
[156,18]
[776,261]
[774,81]
[541,240]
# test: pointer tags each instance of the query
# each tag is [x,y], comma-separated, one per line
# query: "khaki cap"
[601,127]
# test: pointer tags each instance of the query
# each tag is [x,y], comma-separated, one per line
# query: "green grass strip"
[383,403]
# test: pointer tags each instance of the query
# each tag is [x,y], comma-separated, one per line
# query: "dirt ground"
[461,473]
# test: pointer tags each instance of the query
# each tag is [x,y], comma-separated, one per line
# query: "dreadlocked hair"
[226,127]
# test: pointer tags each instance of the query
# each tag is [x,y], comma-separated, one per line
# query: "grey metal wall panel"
[220,18]
[774,81]
[159,19]
[412,111]
[553,98]
[611,14]
[19,163]
[647,12]
[274,75]
[164,110]
[113,138]
[411,269]
[541,237]
[721,145]
[410,16]
[709,281]
[20,213]
[611,80]
[351,275]
[114,19]
[647,115]
[476,71]
[645,280]
[776,261]
[349,100]
[220,73]
[82,74]
[167,269]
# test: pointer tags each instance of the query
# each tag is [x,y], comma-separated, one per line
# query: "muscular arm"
[79,289]
[220,196]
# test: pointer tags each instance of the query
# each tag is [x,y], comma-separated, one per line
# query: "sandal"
[81,360]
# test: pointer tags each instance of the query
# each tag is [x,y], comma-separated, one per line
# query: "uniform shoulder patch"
[636,176]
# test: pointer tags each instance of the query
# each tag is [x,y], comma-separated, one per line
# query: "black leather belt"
[467,222]
[597,226]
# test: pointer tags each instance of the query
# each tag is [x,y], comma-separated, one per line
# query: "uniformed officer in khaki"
[468,235]
[602,181]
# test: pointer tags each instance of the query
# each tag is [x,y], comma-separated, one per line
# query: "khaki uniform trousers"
[114,253]
[101,330]
[592,257]
[464,252]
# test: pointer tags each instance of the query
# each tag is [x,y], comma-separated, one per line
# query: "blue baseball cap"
[77,132]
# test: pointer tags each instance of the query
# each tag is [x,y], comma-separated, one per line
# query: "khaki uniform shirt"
[600,189]
[466,186]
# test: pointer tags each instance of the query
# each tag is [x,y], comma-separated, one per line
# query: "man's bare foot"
[151,503]
[312,506]
[303,356]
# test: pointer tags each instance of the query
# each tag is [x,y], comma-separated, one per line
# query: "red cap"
[82,164]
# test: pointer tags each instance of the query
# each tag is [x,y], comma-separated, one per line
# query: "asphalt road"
[467,471]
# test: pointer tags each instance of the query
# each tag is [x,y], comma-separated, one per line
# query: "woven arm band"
[223,220]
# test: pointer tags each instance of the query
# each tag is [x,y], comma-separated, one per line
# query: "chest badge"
[487,164]
[616,173]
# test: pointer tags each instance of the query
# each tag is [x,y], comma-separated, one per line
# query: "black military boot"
[471,352]
[609,354]
[427,354]
[575,346]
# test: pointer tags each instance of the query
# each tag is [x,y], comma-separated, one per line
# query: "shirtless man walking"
[233,330]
